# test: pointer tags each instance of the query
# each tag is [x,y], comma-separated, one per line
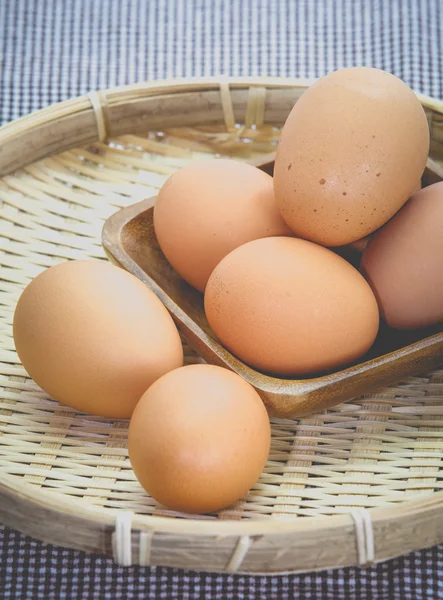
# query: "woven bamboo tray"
[362,481]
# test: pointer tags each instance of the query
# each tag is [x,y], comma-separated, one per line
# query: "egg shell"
[290,307]
[350,155]
[361,244]
[210,207]
[403,262]
[94,337]
[199,438]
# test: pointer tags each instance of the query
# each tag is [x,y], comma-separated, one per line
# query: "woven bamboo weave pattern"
[384,448]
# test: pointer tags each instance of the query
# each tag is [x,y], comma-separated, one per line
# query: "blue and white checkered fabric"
[30,570]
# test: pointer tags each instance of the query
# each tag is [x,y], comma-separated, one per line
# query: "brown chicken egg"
[210,207]
[290,307]
[94,337]
[199,438]
[403,262]
[350,155]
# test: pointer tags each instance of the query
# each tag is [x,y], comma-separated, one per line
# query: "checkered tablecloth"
[51,50]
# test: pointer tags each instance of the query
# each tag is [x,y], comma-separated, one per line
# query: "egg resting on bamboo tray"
[94,337]
[199,438]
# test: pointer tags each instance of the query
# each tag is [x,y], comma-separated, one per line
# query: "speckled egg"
[350,155]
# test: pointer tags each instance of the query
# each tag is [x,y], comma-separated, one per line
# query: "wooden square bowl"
[129,240]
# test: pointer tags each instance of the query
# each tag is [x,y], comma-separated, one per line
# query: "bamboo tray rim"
[182,84]
[147,88]
[106,516]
